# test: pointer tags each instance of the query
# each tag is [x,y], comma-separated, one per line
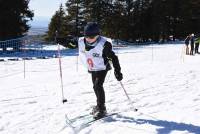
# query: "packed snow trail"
[160,84]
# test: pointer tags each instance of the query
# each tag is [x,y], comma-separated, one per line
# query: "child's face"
[91,39]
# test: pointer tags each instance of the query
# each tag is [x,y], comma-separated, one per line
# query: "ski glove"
[118,75]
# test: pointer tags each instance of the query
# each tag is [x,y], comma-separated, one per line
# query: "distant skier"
[95,51]
[187,40]
[192,44]
[197,41]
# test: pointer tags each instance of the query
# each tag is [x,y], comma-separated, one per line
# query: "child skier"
[95,51]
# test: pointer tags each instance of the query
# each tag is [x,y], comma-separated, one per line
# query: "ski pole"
[182,53]
[152,53]
[135,109]
[61,79]
[77,63]
[24,58]
[124,90]
[60,68]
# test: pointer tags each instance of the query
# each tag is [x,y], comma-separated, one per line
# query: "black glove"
[118,75]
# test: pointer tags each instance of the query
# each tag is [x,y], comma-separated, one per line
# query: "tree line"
[129,20]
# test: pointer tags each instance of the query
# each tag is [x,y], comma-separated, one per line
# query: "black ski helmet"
[91,29]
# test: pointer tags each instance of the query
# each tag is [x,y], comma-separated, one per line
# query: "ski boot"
[94,110]
[101,112]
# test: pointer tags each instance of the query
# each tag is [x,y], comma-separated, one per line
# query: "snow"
[161,81]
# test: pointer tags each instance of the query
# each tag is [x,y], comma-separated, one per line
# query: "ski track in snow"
[161,82]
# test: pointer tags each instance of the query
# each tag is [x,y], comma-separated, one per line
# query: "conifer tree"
[14,17]
[74,18]
[57,24]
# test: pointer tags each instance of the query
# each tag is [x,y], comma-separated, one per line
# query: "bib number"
[90,63]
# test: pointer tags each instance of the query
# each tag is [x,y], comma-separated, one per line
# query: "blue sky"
[44,8]
[43,11]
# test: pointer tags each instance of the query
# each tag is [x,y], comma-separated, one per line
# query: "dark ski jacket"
[192,41]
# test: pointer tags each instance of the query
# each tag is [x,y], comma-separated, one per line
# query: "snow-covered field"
[161,82]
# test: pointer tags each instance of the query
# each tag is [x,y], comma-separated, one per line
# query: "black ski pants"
[98,78]
[191,48]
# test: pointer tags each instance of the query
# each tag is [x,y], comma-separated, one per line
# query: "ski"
[88,119]
[85,119]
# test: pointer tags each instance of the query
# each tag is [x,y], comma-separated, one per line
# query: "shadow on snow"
[165,126]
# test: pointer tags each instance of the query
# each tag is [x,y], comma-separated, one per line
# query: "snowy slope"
[161,82]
